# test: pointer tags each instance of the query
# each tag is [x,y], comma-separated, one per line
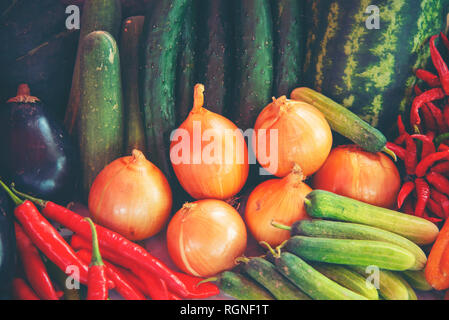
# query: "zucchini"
[310,281]
[129,62]
[98,15]
[326,205]
[345,230]
[254,65]
[157,77]
[417,280]
[351,252]
[265,273]
[241,288]
[100,124]
[348,279]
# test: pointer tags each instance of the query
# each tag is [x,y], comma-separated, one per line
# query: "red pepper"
[399,151]
[442,167]
[446,114]
[408,207]
[429,78]
[21,291]
[97,286]
[428,147]
[438,116]
[423,195]
[439,182]
[424,98]
[401,139]
[431,219]
[445,40]
[405,191]
[425,164]
[34,267]
[440,65]
[442,200]
[411,159]
[435,208]
[435,276]
[429,120]
[443,147]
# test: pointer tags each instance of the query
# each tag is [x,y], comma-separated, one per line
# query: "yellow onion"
[278,200]
[132,197]
[303,137]
[208,153]
[205,237]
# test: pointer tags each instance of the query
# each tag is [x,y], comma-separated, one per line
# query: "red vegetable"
[428,77]
[428,147]
[425,97]
[433,272]
[405,191]
[423,195]
[411,159]
[399,151]
[439,182]
[97,288]
[440,65]
[21,291]
[442,200]
[424,165]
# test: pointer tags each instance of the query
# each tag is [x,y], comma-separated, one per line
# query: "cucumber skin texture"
[348,279]
[289,45]
[351,252]
[411,292]
[98,15]
[214,54]
[100,125]
[346,230]
[417,280]
[343,120]
[237,286]
[310,281]
[129,61]
[265,273]
[254,66]
[326,205]
[157,77]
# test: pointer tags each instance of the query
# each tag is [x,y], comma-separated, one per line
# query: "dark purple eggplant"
[7,246]
[38,154]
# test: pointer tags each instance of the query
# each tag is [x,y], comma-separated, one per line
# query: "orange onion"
[205,237]
[279,200]
[303,137]
[208,153]
[352,172]
[132,197]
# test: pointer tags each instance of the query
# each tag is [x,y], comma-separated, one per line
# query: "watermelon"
[369,68]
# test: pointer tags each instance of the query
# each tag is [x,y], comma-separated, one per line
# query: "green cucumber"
[343,121]
[326,205]
[310,281]
[98,15]
[239,287]
[351,252]
[289,44]
[411,292]
[100,123]
[129,61]
[417,280]
[345,230]
[159,50]
[348,279]
[254,66]
[266,274]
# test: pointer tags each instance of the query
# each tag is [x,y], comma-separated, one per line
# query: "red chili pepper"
[425,164]
[424,98]
[21,290]
[438,116]
[439,182]
[439,64]
[442,200]
[429,78]
[443,147]
[408,207]
[401,139]
[429,120]
[401,126]
[435,208]
[405,191]
[34,267]
[428,147]
[423,195]
[399,151]
[445,40]
[411,159]
[442,167]
[446,114]
[431,219]
[97,286]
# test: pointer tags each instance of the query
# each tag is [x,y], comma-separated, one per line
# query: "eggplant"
[7,246]
[39,156]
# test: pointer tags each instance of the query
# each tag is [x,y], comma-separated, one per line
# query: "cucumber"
[310,281]
[289,44]
[345,230]
[326,205]
[265,273]
[348,279]
[343,121]
[129,61]
[241,288]
[411,292]
[254,65]
[351,252]
[98,15]
[417,280]
[157,77]
[214,54]
[100,124]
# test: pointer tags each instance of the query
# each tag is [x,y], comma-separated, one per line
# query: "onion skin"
[205,237]
[204,180]
[304,136]
[132,197]
[352,172]
[279,200]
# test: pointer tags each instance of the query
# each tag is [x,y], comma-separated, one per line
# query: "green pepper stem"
[16,199]
[280,226]
[390,153]
[39,202]
[212,279]
[241,259]
[96,256]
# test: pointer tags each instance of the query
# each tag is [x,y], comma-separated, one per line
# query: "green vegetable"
[417,280]
[411,292]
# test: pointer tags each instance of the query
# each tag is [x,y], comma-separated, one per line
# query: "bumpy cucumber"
[326,205]
[310,281]
[348,279]
[351,252]
[346,230]
[100,123]
[266,274]
[417,280]
[239,287]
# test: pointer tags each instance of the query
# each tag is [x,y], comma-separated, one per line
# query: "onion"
[279,200]
[352,172]
[208,153]
[303,137]
[205,237]
[132,197]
